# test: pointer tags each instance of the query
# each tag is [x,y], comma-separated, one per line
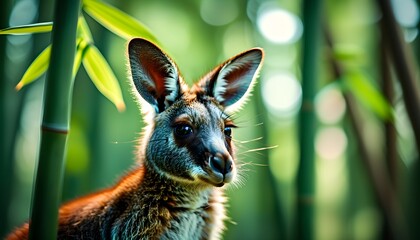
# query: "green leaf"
[36,69]
[41,63]
[347,52]
[29,29]
[83,30]
[102,76]
[364,91]
[117,21]
[81,45]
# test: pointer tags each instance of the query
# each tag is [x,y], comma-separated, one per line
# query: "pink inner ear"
[232,79]
[154,71]
[237,73]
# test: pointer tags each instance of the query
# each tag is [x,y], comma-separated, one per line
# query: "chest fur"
[189,224]
[203,223]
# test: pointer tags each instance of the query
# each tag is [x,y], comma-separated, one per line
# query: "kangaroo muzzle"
[222,167]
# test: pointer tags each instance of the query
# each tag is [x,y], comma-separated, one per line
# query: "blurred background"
[198,35]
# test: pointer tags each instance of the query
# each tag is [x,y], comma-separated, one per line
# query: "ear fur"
[154,74]
[231,82]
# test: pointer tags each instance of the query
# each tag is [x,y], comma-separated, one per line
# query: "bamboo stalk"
[5,148]
[55,123]
[384,191]
[391,154]
[306,170]
[404,66]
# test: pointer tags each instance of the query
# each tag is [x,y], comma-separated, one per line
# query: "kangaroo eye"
[228,131]
[183,130]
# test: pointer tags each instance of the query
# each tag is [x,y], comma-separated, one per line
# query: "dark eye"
[228,131]
[183,130]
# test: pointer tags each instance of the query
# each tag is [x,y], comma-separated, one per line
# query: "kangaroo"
[185,156]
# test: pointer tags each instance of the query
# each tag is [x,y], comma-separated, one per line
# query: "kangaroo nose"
[220,164]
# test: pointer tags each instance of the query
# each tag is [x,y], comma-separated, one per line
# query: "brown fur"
[185,157]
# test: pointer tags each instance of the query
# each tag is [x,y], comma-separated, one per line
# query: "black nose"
[220,164]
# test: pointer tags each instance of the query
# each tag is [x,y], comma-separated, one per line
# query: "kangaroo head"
[190,138]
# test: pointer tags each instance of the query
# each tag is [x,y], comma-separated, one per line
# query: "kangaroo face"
[191,140]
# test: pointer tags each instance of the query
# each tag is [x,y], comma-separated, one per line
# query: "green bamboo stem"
[55,123]
[5,161]
[306,170]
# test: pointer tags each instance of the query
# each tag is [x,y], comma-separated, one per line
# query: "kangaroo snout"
[221,164]
[221,168]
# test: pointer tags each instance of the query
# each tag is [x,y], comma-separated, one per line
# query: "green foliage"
[30,28]
[95,64]
[347,52]
[116,21]
[102,76]
[98,68]
[36,69]
[365,92]
[83,30]
[78,57]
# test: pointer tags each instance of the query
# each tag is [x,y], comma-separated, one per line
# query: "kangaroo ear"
[154,74]
[230,82]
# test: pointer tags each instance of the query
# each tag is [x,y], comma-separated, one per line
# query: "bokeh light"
[330,106]
[278,25]
[218,12]
[406,12]
[282,94]
[331,143]
[24,12]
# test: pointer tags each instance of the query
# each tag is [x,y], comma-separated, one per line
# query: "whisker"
[248,124]
[253,164]
[247,141]
[258,149]
[125,142]
[246,121]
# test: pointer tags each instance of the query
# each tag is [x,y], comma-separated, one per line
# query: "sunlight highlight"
[406,12]
[218,12]
[331,143]
[282,94]
[278,25]
[330,106]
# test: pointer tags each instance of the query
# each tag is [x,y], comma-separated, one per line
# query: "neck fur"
[173,193]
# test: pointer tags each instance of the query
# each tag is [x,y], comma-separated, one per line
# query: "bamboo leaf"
[102,76]
[83,30]
[368,95]
[29,29]
[36,69]
[347,52]
[116,21]
[81,44]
